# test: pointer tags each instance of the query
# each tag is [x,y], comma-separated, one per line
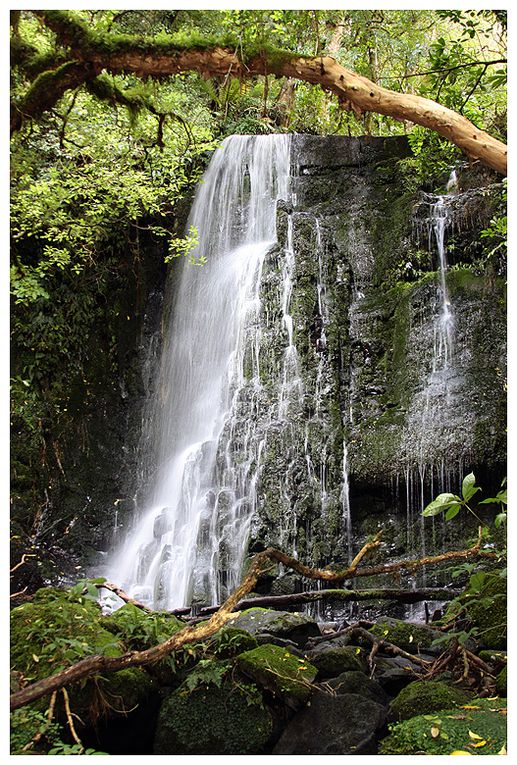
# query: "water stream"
[189,539]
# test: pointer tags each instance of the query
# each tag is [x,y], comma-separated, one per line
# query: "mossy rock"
[450,730]
[487,611]
[422,697]
[229,642]
[493,657]
[293,626]
[212,720]
[56,630]
[138,630]
[501,682]
[406,635]
[276,669]
[334,661]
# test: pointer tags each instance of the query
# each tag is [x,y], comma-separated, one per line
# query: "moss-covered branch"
[48,88]
[172,54]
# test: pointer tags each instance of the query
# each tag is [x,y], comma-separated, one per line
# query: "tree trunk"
[311,596]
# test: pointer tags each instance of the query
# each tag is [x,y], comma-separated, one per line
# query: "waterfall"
[189,540]
[432,413]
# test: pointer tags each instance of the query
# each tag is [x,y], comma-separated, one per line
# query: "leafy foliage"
[450,504]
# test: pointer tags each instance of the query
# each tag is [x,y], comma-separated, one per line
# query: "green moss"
[423,697]
[485,609]
[230,642]
[44,84]
[333,661]
[449,730]
[405,635]
[55,631]
[284,675]
[211,720]
[502,681]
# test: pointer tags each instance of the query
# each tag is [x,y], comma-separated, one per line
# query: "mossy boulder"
[286,676]
[58,629]
[423,697]
[406,635]
[293,626]
[336,660]
[501,682]
[359,683]
[485,609]
[479,729]
[212,720]
[229,642]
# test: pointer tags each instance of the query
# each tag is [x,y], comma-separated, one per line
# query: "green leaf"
[468,487]
[477,581]
[452,512]
[441,503]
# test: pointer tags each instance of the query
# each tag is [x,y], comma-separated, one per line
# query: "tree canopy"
[81,53]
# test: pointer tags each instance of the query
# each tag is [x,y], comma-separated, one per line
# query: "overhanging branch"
[146,57]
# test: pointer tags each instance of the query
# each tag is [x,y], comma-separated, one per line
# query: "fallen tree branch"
[383,568]
[95,664]
[119,592]
[192,633]
[311,596]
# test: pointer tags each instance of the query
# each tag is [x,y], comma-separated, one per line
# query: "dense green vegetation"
[101,181]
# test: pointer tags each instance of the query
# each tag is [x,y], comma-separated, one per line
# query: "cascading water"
[431,409]
[190,539]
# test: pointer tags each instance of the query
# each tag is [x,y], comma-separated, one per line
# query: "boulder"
[58,628]
[358,682]
[333,661]
[229,642]
[424,696]
[393,673]
[286,676]
[341,724]
[409,636]
[293,626]
[210,720]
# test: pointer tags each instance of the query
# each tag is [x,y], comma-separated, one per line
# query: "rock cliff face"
[374,424]
[346,420]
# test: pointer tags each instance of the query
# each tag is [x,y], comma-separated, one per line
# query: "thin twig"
[70,721]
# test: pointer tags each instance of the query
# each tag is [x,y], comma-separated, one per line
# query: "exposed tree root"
[467,669]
